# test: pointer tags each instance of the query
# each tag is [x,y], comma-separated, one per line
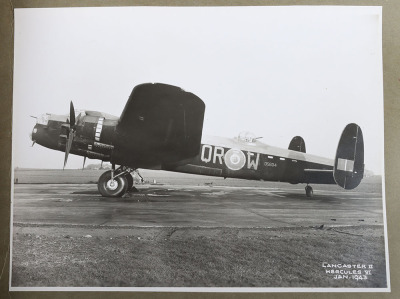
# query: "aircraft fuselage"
[229,157]
[96,137]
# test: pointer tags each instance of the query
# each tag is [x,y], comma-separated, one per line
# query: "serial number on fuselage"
[270,164]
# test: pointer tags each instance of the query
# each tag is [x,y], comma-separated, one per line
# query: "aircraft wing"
[161,123]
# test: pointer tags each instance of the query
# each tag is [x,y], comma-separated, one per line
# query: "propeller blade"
[71,115]
[68,146]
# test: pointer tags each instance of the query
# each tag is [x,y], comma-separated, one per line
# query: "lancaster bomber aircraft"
[161,128]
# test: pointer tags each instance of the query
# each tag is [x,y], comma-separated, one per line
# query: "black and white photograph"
[198,149]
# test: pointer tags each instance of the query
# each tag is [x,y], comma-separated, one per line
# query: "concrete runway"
[195,206]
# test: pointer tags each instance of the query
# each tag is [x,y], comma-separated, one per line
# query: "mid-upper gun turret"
[247,137]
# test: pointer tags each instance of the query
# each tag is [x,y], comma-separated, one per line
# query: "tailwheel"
[309,191]
[115,187]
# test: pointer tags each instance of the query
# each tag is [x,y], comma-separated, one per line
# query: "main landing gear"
[309,191]
[115,183]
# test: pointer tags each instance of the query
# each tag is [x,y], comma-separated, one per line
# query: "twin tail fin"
[348,169]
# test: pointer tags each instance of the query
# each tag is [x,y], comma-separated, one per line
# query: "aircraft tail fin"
[297,144]
[348,169]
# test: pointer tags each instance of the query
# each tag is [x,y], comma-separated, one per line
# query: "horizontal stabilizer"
[318,171]
[348,169]
[297,144]
[319,176]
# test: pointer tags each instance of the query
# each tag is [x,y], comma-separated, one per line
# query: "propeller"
[84,160]
[71,135]
[71,115]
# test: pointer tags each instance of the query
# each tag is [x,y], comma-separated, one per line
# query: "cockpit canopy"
[43,119]
[247,137]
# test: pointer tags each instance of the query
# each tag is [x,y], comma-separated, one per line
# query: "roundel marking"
[235,159]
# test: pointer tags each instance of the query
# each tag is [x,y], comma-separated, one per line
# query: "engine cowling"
[93,137]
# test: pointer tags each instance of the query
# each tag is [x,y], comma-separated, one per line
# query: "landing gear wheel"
[129,180]
[309,191]
[112,188]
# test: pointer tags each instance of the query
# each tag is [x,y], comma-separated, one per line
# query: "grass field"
[193,257]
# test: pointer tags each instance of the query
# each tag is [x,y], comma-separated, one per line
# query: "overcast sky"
[275,71]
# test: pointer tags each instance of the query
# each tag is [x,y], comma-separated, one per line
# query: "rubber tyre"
[309,191]
[129,180]
[117,191]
